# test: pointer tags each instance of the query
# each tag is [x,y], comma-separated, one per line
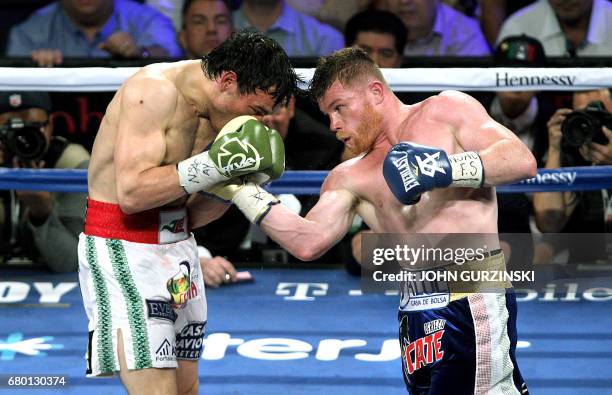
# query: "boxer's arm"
[142,182]
[325,224]
[203,210]
[504,156]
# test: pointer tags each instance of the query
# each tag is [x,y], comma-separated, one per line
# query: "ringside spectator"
[299,34]
[381,34]
[578,211]
[565,28]
[206,24]
[39,225]
[94,29]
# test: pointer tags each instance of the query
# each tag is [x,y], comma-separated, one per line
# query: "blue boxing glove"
[411,169]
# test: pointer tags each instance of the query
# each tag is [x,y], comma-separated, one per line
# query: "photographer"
[38,225]
[574,142]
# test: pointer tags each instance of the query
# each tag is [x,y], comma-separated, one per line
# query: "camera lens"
[578,129]
[28,143]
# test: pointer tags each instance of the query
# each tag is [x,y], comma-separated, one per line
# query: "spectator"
[381,34]
[436,29]
[565,28]
[206,24]
[95,29]
[41,225]
[333,12]
[299,34]
[580,211]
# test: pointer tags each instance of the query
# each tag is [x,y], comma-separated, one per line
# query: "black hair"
[378,22]
[188,4]
[259,63]
[346,65]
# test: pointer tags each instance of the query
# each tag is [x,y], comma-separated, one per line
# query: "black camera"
[23,139]
[584,126]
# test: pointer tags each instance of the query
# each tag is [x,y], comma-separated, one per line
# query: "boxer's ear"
[227,80]
[376,90]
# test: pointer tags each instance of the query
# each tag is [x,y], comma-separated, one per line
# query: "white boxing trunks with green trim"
[153,293]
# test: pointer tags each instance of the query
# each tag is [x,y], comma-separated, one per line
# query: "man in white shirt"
[565,28]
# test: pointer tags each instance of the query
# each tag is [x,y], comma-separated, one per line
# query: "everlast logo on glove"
[407,176]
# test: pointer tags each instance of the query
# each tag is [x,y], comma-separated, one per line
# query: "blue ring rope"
[309,182]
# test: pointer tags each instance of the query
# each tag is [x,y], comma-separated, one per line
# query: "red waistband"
[107,220]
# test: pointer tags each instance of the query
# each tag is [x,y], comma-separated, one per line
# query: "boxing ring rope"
[309,182]
[104,79]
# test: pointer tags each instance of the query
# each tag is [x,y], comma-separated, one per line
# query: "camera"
[23,139]
[584,126]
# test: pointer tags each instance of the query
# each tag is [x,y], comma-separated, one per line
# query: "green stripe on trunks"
[136,317]
[105,324]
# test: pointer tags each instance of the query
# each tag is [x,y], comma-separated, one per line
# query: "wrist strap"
[254,202]
[468,170]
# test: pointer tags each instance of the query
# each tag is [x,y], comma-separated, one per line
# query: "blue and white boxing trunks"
[459,343]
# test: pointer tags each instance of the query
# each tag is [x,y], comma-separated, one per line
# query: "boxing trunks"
[140,273]
[454,341]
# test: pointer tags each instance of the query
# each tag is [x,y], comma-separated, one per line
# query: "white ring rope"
[104,79]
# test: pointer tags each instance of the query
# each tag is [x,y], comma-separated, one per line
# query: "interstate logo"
[506,79]
[176,226]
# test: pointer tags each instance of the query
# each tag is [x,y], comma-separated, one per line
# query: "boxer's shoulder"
[158,83]
[154,94]
[336,177]
[341,176]
[449,107]
[354,175]
[454,103]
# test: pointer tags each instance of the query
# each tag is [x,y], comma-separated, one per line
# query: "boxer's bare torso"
[186,130]
[160,116]
[450,210]
[451,121]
